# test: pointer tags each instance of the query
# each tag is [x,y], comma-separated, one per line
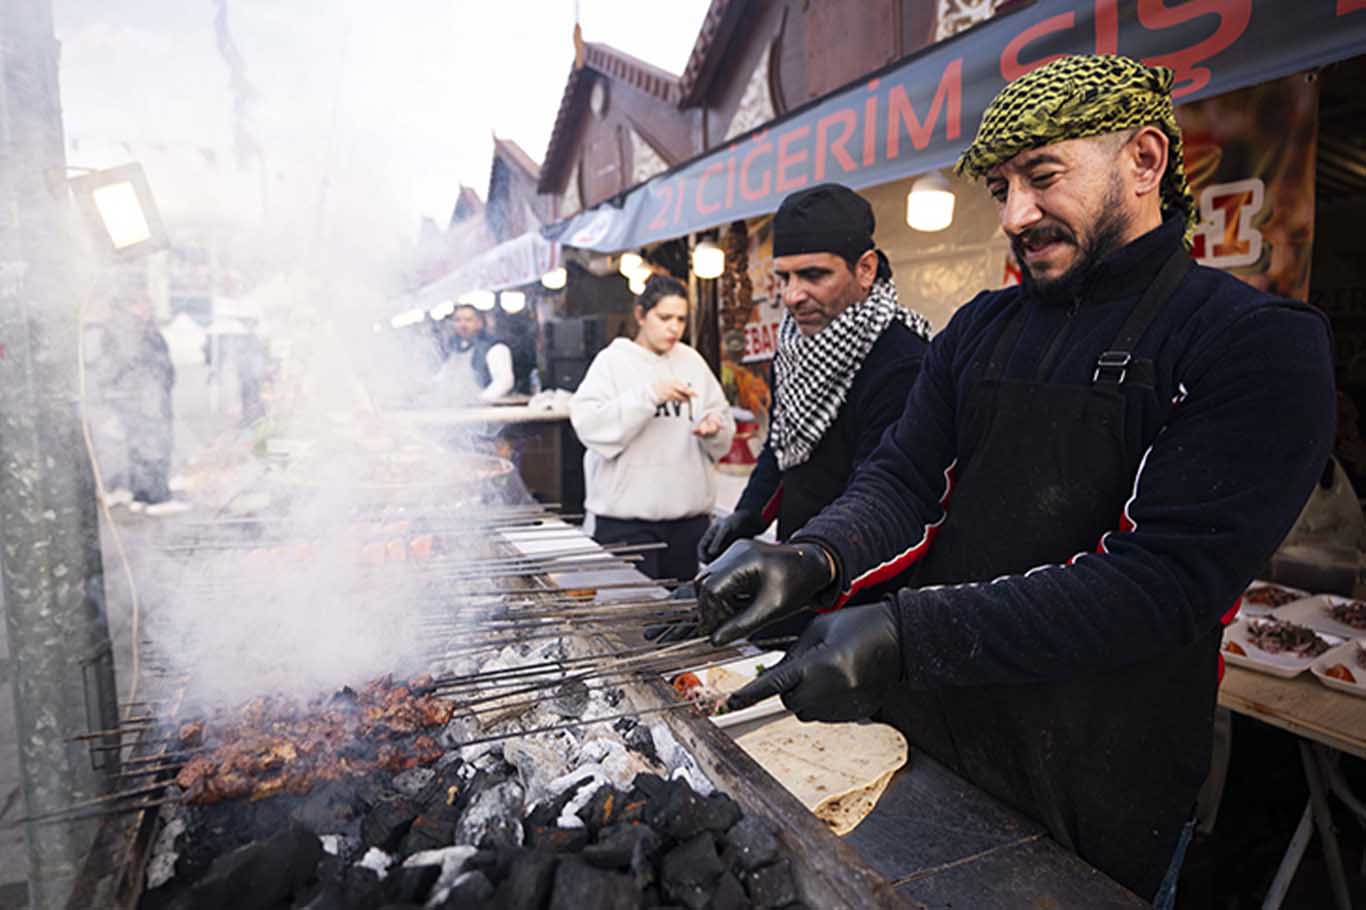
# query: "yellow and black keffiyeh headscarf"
[1076,97]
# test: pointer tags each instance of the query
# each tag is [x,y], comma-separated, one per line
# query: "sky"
[392,104]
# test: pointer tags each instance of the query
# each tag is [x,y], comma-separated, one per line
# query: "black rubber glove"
[754,583]
[842,669]
[676,629]
[723,532]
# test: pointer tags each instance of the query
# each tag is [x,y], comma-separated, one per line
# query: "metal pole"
[49,534]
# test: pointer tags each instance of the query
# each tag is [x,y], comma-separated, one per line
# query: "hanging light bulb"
[480,300]
[637,284]
[555,278]
[708,260]
[442,310]
[929,204]
[512,301]
[630,264]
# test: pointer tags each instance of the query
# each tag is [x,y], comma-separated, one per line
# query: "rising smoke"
[319,592]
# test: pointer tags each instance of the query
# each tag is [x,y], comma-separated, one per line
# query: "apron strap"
[996,366]
[1112,367]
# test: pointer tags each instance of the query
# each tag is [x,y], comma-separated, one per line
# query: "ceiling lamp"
[929,204]
[481,300]
[442,310]
[708,260]
[637,284]
[512,301]
[555,278]
[630,264]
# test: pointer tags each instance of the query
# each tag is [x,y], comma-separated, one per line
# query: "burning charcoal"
[579,885]
[529,876]
[679,812]
[613,697]
[361,888]
[414,782]
[386,824]
[625,725]
[640,741]
[545,813]
[690,870]
[752,843]
[729,894]
[772,885]
[559,840]
[451,863]
[649,786]
[328,897]
[327,808]
[433,829]
[617,845]
[602,808]
[260,874]
[493,817]
[412,884]
[570,699]
[471,888]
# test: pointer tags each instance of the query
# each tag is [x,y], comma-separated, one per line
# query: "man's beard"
[1106,236]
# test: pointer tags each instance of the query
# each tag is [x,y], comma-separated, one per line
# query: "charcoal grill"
[829,873]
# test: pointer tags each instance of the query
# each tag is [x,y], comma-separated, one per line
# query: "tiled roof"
[608,61]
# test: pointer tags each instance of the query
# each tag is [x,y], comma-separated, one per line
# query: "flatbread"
[838,771]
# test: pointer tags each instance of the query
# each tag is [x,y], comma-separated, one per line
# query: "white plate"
[1251,609]
[1313,612]
[1346,654]
[1283,665]
[730,676]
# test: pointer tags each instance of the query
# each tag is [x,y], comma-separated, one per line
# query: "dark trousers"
[682,535]
[150,441]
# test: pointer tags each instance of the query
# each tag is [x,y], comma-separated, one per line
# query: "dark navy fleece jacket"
[1229,439]
[875,400]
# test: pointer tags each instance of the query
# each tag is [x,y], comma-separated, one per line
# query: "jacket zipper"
[1053,346]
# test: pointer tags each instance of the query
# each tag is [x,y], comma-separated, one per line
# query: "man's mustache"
[1042,234]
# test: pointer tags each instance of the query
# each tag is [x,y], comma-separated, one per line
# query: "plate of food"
[1261,597]
[1341,616]
[1274,646]
[709,688]
[1343,668]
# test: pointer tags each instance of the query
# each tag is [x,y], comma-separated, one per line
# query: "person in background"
[654,420]
[1091,468]
[848,354]
[141,376]
[478,367]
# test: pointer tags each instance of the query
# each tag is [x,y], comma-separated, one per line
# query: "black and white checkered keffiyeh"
[813,374]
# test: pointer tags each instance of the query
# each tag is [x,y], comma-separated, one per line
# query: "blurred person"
[654,420]
[478,367]
[140,377]
[848,354]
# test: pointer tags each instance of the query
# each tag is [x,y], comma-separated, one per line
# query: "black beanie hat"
[826,218]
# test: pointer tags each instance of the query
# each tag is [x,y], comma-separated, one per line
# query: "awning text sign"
[921,114]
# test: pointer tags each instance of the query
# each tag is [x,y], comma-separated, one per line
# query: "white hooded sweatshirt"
[643,461]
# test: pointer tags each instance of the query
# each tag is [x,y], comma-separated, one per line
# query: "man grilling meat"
[848,354]
[1087,474]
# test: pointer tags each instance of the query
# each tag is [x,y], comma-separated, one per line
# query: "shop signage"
[920,113]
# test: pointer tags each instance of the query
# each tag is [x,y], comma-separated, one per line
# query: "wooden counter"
[1302,705]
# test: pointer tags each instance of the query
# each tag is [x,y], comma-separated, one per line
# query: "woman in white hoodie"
[654,420]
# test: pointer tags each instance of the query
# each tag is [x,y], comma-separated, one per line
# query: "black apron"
[1110,762]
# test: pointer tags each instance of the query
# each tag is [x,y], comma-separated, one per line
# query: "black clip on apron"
[1111,762]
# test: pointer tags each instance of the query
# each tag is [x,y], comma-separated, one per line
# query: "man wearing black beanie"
[848,354]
